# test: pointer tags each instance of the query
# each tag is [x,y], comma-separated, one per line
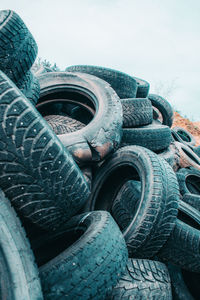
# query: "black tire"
[171,155]
[18,47]
[142,88]
[183,246]
[163,107]
[196,150]
[143,279]
[19,274]
[136,111]
[63,124]
[185,136]
[189,180]
[193,200]
[124,85]
[187,156]
[185,285]
[29,86]
[88,260]
[37,173]
[154,136]
[154,216]
[103,134]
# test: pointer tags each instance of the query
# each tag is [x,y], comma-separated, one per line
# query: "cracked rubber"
[163,107]
[103,134]
[136,111]
[124,85]
[18,47]
[143,279]
[189,180]
[185,136]
[37,173]
[19,274]
[183,246]
[91,258]
[155,214]
[154,136]
[29,86]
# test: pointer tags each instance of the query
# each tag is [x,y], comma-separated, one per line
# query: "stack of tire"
[108,193]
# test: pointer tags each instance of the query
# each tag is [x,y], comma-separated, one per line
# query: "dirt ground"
[192,127]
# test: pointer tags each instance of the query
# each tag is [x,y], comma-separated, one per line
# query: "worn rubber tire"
[63,124]
[103,134]
[185,136]
[196,150]
[88,263]
[124,85]
[163,107]
[18,47]
[154,136]
[136,112]
[37,173]
[29,86]
[171,155]
[157,206]
[18,271]
[143,279]
[183,246]
[187,156]
[185,285]
[192,199]
[142,88]
[189,180]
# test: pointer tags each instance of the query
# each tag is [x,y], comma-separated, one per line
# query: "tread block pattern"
[32,156]
[143,279]
[63,124]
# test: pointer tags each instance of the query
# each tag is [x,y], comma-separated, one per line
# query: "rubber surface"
[186,137]
[187,157]
[37,173]
[171,155]
[154,136]
[124,85]
[154,216]
[143,279]
[136,111]
[163,107]
[18,272]
[142,88]
[189,180]
[183,246]
[63,124]
[103,134]
[18,47]
[92,260]
[192,199]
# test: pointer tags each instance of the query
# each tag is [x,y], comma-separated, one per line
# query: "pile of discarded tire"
[107,192]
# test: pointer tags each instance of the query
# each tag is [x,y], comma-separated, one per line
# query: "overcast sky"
[156,40]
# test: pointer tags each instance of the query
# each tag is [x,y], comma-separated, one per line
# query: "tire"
[103,134]
[185,136]
[63,124]
[19,274]
[89,262]
[136,112]
[189,181]
[154,136]
[154,216]
[171,155]
[142,88]
[183,246]
[185,285]
[163,107]
[187,157]
[18,47]
[143,279]
[193,200]
[124,85]
[30,87]
[37,173]
[196,150]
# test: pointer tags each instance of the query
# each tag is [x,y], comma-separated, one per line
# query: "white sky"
[156,40]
